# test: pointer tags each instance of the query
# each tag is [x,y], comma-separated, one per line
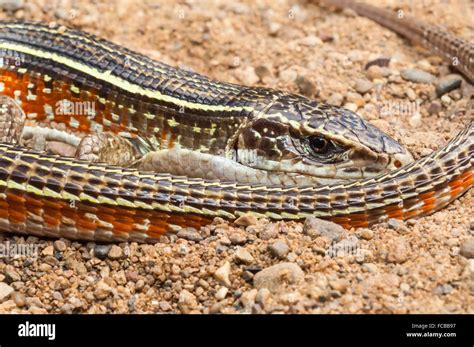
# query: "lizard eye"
[318,144]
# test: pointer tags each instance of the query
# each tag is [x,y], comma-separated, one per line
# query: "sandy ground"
[261,266]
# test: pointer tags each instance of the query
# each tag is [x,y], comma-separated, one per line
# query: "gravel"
[316,227]
[467,249]
[279,249]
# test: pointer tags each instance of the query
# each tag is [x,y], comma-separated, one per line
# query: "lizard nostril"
[398,164]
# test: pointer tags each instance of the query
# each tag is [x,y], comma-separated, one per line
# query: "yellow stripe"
[106,76]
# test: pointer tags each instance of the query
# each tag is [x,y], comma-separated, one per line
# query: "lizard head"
[323,144]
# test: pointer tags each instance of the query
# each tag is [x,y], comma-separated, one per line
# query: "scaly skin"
[54,196]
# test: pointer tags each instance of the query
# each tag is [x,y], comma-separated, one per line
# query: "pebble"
[189,234]
[19,299]
[398,252]
[115,252]
[269,232]
[59,245]
[435,107]
[262,72]
[446,100]
[102,290]
[397,225]
[279,249]
[186,301]
[246,220]
[374,72]
[12,5]
[311,41]
[356,99]
[12,275]
[5,291]
[467,249]
[405,287]
[306,86]
[243,256]
[370,267]
[222,274]
[288,75]
[315,227]
[417,76]
[247,75]
[447,84]
[366,234]
[363,86]
[276,276]
[247,299]
[335,99]
[221,293]
[340,285]
[48,251]
[443,289]
[382,62]
[101,251]
[237,239]
[263,296]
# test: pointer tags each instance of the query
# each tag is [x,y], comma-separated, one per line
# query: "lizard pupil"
[318,144]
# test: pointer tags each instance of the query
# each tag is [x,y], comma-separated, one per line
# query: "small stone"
[48,251]
[311,40]
[59,245]
[370,267]
[276,276]
[115,252]
[5,291]
[186,301]
[221,293]
[366,234]
[292,257]
[417,76]
[279,249]
[447,84]
[189,234]
[12,275]
[247,299]
[405,287]
[246,220]
[363,86]
[381,62]
[315,227]
[415,120]
[397,225]
[348,246]
[44,267]
[164,306]
[340,285]
[102,290]
[263,296]
[222,274]
[19,299]
[336,99]
[374,72]
[443,289]
[356,99]
[467,249]
[243,256]
[270,231]
[262,72]
[237,238]
[247,75]
[446,100]
[101,251]
[306,86]
[247,276]
[435,107]
[12,5]
[398,252]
